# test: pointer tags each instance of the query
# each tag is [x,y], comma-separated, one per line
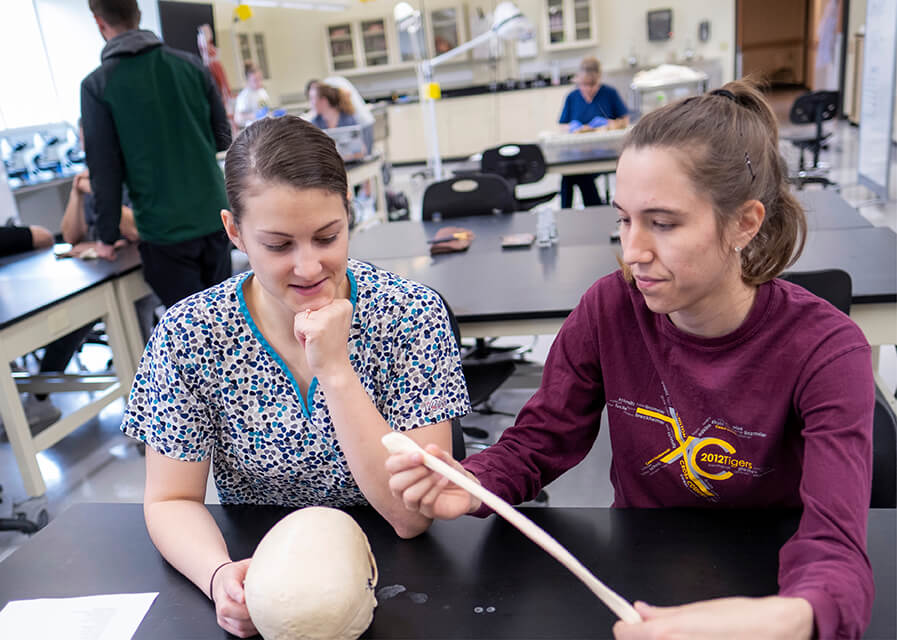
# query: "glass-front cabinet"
[569,24]
[445,29]
[556,32]
[406,45]
[341,47]
[373,42]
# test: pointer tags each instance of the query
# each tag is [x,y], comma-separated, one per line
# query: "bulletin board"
[179,22]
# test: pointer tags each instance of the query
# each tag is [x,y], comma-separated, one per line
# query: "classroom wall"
[296,42]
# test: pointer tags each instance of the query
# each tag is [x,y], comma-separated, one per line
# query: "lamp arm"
[461,48]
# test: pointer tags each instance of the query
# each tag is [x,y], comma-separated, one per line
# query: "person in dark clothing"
[14,239]
[153,120]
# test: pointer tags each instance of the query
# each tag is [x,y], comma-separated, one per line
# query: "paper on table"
[107,617]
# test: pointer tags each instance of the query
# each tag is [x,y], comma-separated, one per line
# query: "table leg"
[128,290]
[18,431]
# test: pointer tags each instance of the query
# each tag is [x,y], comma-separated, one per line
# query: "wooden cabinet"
[362,46]
[523,115]
[473,124]
[446,29]
[569,24]
[374,47]
[341,47]
[467,125]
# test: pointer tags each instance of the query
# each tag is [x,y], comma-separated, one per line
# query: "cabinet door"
[406,140]
[411,47]
[341,47]
[555,31]
[373,42]
[582,21]
[467,125]
[523,115]
[570,24]
[445,27]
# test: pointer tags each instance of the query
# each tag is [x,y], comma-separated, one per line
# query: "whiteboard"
[877,107]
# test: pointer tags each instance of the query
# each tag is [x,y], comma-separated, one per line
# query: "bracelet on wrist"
[212,579]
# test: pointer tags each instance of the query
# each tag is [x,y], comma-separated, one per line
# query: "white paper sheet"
[107,617]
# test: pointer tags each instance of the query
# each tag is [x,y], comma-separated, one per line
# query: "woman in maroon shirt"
[724,387]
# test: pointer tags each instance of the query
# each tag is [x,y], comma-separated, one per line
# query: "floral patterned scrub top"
[210,384]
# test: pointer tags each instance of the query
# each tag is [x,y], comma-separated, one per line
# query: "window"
[27,93]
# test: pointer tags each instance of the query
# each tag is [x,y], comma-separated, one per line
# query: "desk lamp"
[508,23]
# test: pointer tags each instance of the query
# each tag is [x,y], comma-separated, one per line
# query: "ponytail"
[728,143]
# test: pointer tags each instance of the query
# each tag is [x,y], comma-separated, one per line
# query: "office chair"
[884,454]
[476,194]
[518,164]
[834,285]
[814,107]
[30,520]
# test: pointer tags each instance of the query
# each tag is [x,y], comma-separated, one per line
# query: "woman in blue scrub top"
[282,380]
[590,106]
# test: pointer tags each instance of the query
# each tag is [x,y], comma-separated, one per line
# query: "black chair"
[518,164]
[814,107]
[832,285]
[835,286]
[476,194]
[884,454]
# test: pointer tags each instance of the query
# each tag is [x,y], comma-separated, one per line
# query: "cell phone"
[517,240]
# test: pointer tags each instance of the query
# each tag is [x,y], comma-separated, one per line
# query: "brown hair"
[336,98]
[287,151]
[727,142]
[117,13]
[249,67]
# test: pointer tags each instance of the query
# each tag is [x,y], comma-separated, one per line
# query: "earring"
[737,249]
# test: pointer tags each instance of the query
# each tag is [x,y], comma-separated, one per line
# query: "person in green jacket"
[153,120]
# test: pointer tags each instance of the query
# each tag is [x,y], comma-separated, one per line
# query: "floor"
[97,463]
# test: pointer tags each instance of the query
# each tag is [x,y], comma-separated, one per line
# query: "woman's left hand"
[731,618]
[324,333]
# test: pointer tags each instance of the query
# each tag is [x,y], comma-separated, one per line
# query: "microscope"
[15,152]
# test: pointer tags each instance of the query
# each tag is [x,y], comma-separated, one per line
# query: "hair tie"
[725,93]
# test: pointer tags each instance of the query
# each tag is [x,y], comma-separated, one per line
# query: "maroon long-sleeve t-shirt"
[777,413]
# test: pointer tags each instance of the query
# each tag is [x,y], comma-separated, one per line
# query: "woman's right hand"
[230,599]
[426,491]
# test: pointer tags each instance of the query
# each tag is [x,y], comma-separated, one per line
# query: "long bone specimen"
[397,442]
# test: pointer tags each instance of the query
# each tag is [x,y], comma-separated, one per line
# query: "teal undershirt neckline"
[304,403]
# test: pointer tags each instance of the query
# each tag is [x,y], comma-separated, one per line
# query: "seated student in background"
[252,99]
[78,229]
[288,375]
[79,220]
[724,386]
[590,106]
[333,108]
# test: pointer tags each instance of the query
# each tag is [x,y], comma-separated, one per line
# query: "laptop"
[349,140]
